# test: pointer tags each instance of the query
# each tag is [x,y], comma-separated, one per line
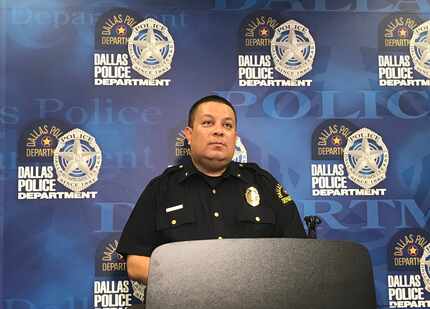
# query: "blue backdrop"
[332,98]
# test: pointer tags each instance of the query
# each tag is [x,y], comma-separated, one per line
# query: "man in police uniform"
[209,196]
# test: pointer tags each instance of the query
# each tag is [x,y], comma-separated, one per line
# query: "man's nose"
[218,130]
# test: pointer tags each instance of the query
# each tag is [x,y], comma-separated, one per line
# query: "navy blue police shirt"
[184,204]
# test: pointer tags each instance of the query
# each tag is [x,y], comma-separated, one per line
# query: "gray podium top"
[261,273]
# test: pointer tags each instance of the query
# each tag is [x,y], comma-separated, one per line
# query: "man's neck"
[208,171]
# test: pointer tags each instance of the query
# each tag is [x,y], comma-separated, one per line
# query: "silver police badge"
[77,160]
[419,48]
[292,49]
[252,196]
[151,48]
[425,267]
[240,154]
[366,158]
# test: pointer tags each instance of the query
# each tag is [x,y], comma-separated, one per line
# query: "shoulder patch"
[283,196]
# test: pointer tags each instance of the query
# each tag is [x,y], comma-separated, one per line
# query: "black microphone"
[312,223]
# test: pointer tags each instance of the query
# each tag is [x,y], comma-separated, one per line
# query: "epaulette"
[256,169]
[172,168]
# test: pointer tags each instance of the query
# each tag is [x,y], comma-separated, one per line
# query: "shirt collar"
[233,170]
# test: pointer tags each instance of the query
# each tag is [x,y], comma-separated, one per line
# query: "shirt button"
[186,173]
[258,219]
[216,214]
[219,237]
[238,175]
[213,191]
[173,222]
[181,166]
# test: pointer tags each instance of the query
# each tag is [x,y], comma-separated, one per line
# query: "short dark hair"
[209,98]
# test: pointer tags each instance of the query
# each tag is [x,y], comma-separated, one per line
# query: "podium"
[268,273]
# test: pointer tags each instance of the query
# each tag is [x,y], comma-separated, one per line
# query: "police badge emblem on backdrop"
[344,158]
[408,279]
[404,49]
[131,51]
[52,158]
[274,53]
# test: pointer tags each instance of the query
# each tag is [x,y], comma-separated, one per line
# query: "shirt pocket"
[256,215]
[175,218]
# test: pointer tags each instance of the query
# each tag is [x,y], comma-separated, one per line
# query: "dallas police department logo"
[252,196]
[39,142]
[291,57]
[292,49]
[109,262]
[113,29]
[328,171]
[112,289]
[126,50]
[282,194]
[420,49]
[425,267]
[408,279]
[77,160]
[406,248]
[395,32]
[151,48]
[366,158]
[256,31]
[36,177]
[395,64]
[259,31]
[330,138]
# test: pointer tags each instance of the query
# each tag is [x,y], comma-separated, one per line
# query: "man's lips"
[217,144]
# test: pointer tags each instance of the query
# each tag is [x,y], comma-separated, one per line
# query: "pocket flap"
[256,215]
[174,216]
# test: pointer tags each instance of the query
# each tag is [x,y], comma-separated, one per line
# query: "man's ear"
[188,131]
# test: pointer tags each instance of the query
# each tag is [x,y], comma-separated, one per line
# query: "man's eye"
[228,125]
[207,122]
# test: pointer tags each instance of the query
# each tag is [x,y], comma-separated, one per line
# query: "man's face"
[212,136]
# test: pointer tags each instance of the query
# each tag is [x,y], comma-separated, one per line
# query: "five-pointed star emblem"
[77,158]
[46,141]
[292,48]
[121,30]
[264,31]
[403,32]
[337,140]
[365,156]
[150,46]
[424,47]
[412,250]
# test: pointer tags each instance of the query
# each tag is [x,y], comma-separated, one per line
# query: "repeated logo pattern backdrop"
[332,98]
